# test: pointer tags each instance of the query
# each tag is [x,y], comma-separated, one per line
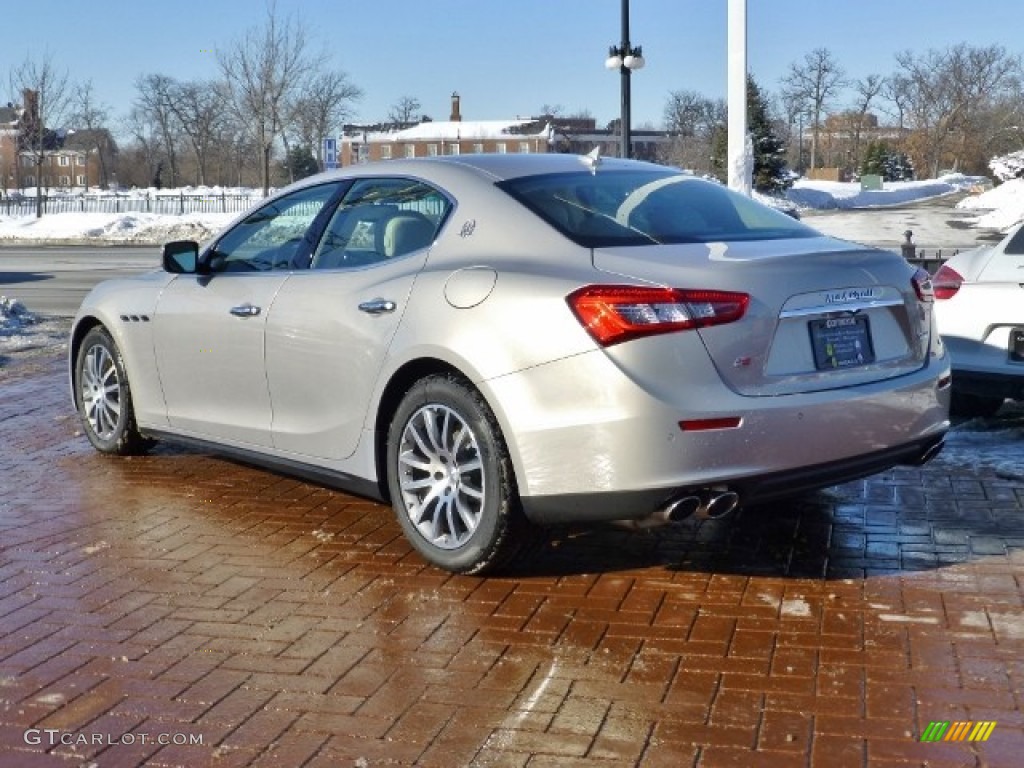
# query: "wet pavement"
[182,610]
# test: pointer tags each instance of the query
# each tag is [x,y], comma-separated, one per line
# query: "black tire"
[103,397]
[451,480]
[970,406]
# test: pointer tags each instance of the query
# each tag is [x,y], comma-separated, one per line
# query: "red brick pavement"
[182,610]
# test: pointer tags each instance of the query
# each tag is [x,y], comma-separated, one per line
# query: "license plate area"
[841,342]
[1017,345]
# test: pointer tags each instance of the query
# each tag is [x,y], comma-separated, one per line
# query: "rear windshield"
[644,207]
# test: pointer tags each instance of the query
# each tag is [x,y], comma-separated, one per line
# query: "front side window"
[648,207]
[276,236]
[378,220]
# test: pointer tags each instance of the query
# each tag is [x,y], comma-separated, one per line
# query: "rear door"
[330,327]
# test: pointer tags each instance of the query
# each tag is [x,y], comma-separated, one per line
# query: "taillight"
[615,313]
[947,282]
[923,286]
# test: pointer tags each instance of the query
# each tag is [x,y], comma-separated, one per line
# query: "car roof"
[497,167]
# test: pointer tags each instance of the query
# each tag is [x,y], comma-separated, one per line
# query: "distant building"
[455,136]
[65,163]
[9,121]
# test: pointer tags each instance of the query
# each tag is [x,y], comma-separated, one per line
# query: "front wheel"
[451,479]
[103,397]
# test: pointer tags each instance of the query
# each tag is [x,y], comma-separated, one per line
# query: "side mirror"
[181,257]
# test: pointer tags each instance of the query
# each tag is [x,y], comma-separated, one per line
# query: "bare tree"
[197,107]
[327,99]
[950,96]
[47,94]
[814,83]
[154,104]
[403,111]
[90,118]
[264,72]
[866,91]
[897,91]
[693,119]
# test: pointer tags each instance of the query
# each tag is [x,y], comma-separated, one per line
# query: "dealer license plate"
[841,342]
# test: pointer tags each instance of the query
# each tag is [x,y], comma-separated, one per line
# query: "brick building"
[455,136]
[577,135]
[66,164]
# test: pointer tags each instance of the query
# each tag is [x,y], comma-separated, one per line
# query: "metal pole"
[626,148]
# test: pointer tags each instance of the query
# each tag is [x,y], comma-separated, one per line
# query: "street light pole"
[625,58]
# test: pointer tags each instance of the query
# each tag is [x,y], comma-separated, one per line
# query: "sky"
[505,59]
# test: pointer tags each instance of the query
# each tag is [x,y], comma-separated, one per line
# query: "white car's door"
[209,328]
[330,328]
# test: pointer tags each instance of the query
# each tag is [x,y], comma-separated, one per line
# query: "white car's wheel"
[451,479]
[103,397]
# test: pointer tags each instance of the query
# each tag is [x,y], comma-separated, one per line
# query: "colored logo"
[958,730]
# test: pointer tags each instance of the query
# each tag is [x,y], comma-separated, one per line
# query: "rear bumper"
[589,507]
[589,444]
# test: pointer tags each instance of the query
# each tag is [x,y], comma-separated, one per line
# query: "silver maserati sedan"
[495,343]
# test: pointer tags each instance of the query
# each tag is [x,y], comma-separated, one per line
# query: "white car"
[980,315]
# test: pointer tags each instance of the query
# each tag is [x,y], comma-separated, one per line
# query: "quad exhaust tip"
[709,504]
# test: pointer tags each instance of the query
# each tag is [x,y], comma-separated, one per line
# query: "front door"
[209,328]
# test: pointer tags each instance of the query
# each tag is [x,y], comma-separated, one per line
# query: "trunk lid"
[823,313]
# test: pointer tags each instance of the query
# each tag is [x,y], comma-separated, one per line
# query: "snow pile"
[826,195]
[1003,205]
[14,316]
[1006,167]
[21,330]
[135,227]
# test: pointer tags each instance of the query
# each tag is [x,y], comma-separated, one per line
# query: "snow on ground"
[134,228]
[21,331]
[824,195]
[1000,207]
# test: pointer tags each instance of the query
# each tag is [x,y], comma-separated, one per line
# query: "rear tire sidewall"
[482,548]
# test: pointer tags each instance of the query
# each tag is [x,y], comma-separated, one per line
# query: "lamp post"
[625,58]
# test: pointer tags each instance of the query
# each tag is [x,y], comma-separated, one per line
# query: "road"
[52,280]
[936,223]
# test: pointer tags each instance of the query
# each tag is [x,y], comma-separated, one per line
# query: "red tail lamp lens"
[617,313]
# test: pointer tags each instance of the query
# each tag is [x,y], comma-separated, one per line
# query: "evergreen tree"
[770,172]
[884,161]
[301,162]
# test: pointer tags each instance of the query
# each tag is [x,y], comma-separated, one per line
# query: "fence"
[179,203]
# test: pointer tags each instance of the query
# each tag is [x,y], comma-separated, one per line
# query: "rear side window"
[1015,245]
[646,207]
[381,219]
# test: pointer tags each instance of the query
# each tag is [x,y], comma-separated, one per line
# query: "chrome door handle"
[245,310]
[377,306]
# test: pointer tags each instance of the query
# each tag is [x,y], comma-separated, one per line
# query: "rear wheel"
[451,479]
[103,397]
[974,406]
